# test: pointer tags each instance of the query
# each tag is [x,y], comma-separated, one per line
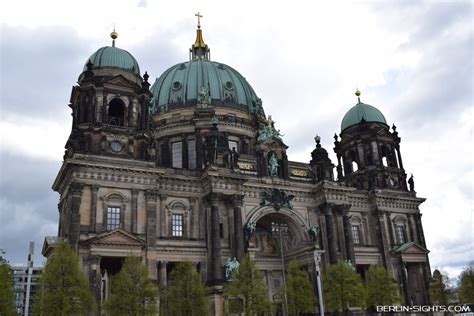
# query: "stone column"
[390,229]
[94,277]
[399,157]
[151,197]
[331,232]
[163,229]
[348,233]
[216,260]
[75,191]
[134,210]
[163,276]
[237,201]
[324,240]
[382,235]
[93,219]
[419,229]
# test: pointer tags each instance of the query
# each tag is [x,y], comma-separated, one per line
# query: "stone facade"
[207,181]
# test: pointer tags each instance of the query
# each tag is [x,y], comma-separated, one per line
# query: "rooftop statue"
[268,130]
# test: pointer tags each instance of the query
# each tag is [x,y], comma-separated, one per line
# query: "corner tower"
[368,153]
[110,106]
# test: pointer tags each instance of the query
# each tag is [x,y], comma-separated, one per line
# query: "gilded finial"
[357,93]
[113,35]
[199,16]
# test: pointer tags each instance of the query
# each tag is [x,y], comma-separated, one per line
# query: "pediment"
[119,81]
[411,248]
[117,237]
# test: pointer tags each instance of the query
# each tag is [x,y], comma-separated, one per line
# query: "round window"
[176,85]
[229,85]
[116,146]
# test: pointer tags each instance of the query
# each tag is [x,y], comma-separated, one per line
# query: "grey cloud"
[36,68]
[28,206]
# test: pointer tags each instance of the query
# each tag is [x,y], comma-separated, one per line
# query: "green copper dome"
[362,112]
[111,56]
[203,81]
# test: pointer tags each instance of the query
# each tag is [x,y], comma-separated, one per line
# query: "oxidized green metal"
[188,81]
[113,57]
[362,112]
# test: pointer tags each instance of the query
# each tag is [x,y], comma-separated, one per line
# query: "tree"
[247,285]
[7,295]
[186,295]
[300,292]
[343,287]
[132,291]
[466,286]
[381,289]
[63,288]
[439,291]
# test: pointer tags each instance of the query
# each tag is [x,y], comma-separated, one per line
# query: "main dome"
[360,113]
[182,84]
[111,56]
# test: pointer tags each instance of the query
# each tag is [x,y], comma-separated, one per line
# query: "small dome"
[360,113]
[184,84]
[111,56]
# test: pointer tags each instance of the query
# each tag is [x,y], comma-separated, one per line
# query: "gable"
[116,237]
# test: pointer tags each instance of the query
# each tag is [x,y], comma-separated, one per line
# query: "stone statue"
[314,233]
[203,96]
[230,267]
[272,166]
[268,130]
[411,183]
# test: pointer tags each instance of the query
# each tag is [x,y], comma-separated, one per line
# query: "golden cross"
[199,16]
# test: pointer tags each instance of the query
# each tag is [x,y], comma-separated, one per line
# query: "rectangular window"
[400,233]
[356,234]
[113,217]
[192,154]
[234,144]
[177,225]
[177,152]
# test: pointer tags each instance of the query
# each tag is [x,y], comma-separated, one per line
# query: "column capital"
[237,200]
[76,188]
[135,192]
[213,198]
[95,188]
[151,195]
[343,209]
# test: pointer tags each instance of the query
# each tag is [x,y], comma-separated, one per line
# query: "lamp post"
[317,263]
[282,230]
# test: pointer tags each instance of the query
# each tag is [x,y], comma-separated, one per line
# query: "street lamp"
[317,263]
[282,230]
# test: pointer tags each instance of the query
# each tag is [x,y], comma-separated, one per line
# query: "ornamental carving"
[277,198]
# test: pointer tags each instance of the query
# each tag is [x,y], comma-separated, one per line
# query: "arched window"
[116,111]
[355,167]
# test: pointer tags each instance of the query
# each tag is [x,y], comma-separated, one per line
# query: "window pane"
[177,225]
[400,232]
[356,234]
[192,154]
[113,218]
[177,150]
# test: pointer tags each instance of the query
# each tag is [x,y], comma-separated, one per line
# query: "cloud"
[410,59]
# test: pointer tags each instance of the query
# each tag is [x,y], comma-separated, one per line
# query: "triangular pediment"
[411,248]
[117,237]
[119,81]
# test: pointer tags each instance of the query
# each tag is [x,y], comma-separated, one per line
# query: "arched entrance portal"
[279,237]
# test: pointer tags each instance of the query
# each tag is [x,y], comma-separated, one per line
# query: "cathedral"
[191,168]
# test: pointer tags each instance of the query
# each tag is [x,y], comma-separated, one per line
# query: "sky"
[305,59]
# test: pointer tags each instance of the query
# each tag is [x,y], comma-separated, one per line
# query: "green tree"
[466,286]
[186,295]
[343,288]
[63,288]
[381,289]
[7,295]
[132,291]
[299,291]
[247,284]
[439,290]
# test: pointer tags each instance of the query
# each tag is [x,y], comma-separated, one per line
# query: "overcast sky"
[411,59]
